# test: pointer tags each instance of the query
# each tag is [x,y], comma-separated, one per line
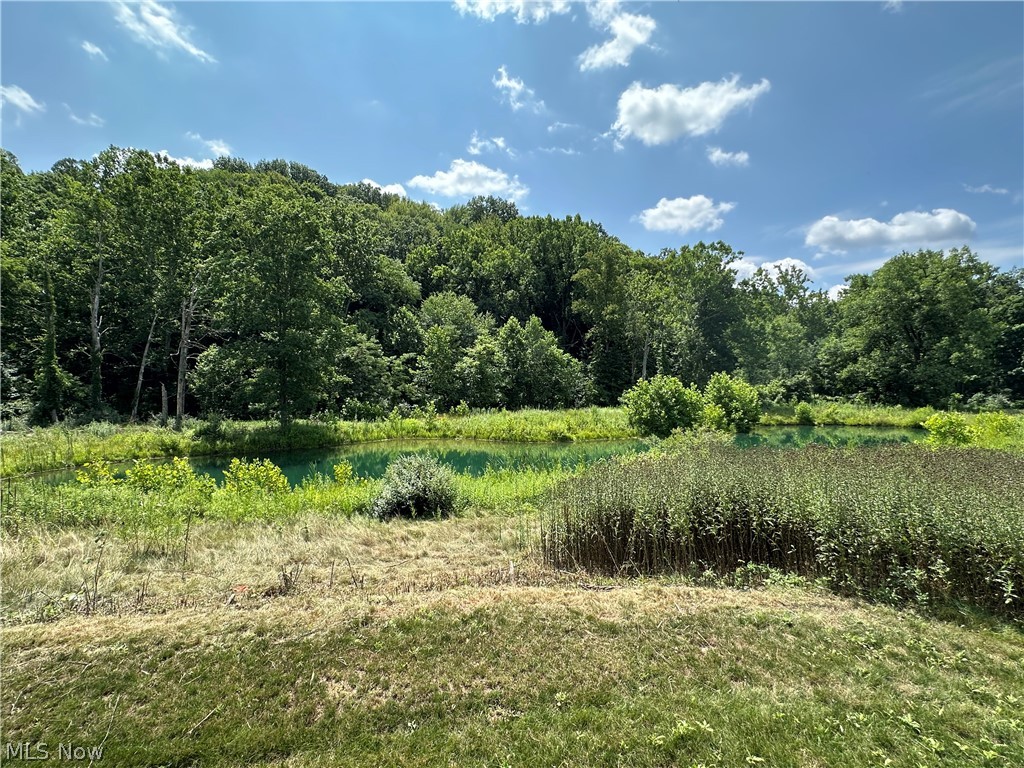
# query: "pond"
[474,457]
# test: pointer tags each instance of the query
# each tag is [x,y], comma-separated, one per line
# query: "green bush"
[417,486]
[804,414]
[947,429]
[659,405]
[738,400]
[714,418]
[257,476]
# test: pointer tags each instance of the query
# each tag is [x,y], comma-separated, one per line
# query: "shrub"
[257,476]
[947,429]
[804,414]
[659,405]
[738,400]
[417,486]
[714,418]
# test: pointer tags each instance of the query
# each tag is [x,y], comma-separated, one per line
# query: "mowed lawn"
[323,642]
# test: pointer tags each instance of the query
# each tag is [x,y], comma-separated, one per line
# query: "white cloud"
[525,11]
[986,188]
[556,126]
[156,26]
[478,145]
[629,32]
[468,178]
[183,161]
[93,120]
[663,114]
[20,99]
[218,147]
[388,189]
[559,150]
[916,228]
[683,214]
[515,91]
[94,50]
[836,291]
[720,157]
[746,267]
[893,6]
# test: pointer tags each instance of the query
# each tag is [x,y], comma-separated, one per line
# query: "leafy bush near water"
[415,487]
[898,523]
[661,405]
[658,405]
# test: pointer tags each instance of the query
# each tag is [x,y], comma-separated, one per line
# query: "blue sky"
[833,134]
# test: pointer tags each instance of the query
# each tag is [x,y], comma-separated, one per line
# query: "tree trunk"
[142,370]
[96,329]
[163,404]
[647,348]
[188,308]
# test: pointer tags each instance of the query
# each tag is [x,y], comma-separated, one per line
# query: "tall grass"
[896,523]
[55,447]
[845,414]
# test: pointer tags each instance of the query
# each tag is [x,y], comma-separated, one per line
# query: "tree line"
[135,287]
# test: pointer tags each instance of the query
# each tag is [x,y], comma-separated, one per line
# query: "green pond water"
[474,457]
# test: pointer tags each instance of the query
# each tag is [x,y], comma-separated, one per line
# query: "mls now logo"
[40,750]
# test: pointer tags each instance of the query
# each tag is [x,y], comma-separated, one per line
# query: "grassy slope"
[447,643]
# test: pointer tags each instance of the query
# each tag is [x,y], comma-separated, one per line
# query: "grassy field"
[171,622]
[349,642]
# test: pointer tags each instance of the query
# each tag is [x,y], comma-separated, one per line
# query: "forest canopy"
[132,284]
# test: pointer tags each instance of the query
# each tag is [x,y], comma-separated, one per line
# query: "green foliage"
[661,404]
[896,524]
[947,429]
[175,475]
[738,401]
[417,487]
[803,413]
[97,473]
[256,476]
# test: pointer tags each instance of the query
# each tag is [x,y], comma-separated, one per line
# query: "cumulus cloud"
[629,31]
[189,161]
[94,50]
[917,228]
[663,114]
[683,214]
[388,189]
[720,157]
[515,92]
[479,145]
[20,99]
[468,178]
[218,147]
[156,25]
[524,11]
[836,291]
[93,120]
[746,267]
[986,188]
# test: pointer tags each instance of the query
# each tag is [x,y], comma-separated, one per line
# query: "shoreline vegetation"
[51,448]
[694,605]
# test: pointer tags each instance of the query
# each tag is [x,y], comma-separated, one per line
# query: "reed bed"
[897,523]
